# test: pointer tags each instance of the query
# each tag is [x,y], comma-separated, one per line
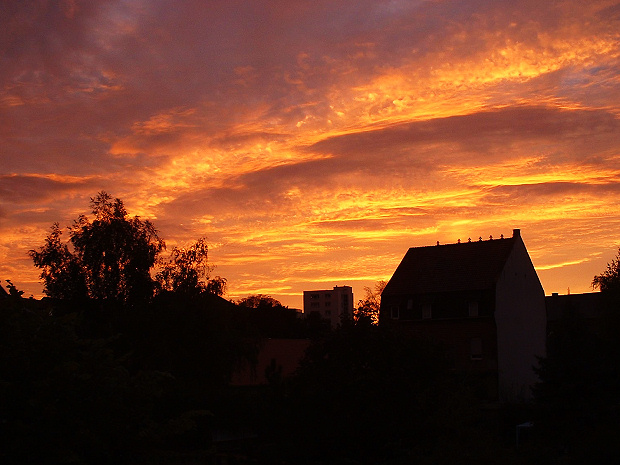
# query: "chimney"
[516,233]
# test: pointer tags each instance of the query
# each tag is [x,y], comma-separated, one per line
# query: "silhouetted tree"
[369,306]
[609,284]
[62,274]
[70,399]
[259,301]
[187,271]
[577,396]
[107,258]
[609,280]
[13,291]
[364,388]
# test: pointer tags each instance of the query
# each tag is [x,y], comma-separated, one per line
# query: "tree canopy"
[111,257]
[108,257]
[187,271]
[259,301]
[609,280]
[369,306]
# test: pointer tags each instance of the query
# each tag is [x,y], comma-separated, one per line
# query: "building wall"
[439,305]
[586,309]
[276,358]
[470,341]
[332,304]
[520,318]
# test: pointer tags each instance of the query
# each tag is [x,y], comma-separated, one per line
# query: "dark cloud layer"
[34,189]
[475,131]
[399,152]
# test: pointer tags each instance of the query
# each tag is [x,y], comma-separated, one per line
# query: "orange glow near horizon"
[313,149]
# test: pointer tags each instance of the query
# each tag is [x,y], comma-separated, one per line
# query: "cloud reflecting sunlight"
[313,143]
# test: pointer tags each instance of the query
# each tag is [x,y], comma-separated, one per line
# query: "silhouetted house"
[331,304]
[482,300]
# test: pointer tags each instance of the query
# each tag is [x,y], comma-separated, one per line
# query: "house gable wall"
[520,318]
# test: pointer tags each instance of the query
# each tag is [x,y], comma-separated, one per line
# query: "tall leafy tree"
[187,271]
[61,272]
[108,257]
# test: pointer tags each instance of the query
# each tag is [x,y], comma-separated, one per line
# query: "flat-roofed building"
[331,304]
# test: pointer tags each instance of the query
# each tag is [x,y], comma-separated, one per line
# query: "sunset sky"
[313,143]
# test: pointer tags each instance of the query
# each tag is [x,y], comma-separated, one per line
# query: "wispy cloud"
[315,142]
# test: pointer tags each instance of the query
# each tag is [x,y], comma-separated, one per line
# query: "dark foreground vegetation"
[141,374]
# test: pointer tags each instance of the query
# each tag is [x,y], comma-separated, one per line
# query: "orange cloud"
[316,144]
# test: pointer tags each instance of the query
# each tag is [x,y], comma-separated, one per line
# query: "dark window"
[394,312]
[427,313]
[473,308]
[475,346]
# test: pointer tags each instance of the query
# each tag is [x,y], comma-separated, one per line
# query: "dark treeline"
[98,382]
[95,382]
[139,372]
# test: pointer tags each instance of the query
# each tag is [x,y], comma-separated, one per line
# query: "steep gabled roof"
[451,267]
